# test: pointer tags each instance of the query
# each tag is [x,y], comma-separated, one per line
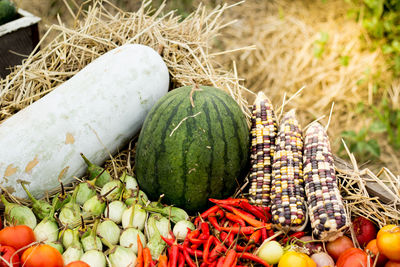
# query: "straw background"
[257,45]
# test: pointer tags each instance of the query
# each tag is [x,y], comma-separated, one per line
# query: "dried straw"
[188,50]
[286,34]
[184,46]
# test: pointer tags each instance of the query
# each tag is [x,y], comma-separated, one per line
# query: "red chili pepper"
[196,241]
[248,230]
[213,209]
[220,262]
[181,260]
[188,260]
[214,222]
[254,210]
[140,260]
[195,253]
[218,250]
[234,218]
[255,237]
[207,247]
[246,248]
[294,235]
[270,232]
[205,231]
[147,257]
[214,264]
[230,208]
[170,242]
[252,257]
[229,201]
[163,261]
[220,214]
[194,234]
[174,255]
[230,259]
[264,234]
[249,220]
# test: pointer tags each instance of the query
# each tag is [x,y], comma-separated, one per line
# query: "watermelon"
[7,11]
[194,145]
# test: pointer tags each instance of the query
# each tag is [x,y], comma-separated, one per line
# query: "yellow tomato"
[293,258]
[388,242]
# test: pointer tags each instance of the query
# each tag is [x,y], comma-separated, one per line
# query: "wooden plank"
[18,38]
[373,188]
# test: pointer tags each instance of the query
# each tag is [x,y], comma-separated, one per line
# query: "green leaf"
[344,60]
[373,148]
[377,127]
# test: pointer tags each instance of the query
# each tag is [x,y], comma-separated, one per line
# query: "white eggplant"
[181,229]
[115,210]
[128,239]
[135,216]
[109,231]
[94,258]
[122,257]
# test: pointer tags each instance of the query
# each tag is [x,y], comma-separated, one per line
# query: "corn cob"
[263,133]
[287,191]
[325,206]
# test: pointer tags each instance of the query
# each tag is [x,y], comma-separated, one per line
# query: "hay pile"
[184,46]
[313,44]
[188,48]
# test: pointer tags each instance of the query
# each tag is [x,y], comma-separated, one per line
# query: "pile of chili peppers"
[227,234]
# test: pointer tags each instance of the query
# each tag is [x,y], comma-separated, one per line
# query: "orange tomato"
[18,236]
[392,264]
[42,255]
[373,249]
[293,258]
[336,247]
[353,257]
[78,264]
[388,242]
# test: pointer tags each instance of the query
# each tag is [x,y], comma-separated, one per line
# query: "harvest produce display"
[186,202]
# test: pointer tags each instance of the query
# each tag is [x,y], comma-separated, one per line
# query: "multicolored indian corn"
[325,206]
[263,132]
[287,190]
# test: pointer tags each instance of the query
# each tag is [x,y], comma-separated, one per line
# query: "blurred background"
[345,52]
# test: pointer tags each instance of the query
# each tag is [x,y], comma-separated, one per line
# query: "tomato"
[373,248]
[388,242]
[353,257]
[6,252]
[392,264]
[293,258]
[336,247]
[18,236]
[364,229]
[77,264]
[42,255]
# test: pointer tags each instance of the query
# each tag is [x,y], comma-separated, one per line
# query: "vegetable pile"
[110,221]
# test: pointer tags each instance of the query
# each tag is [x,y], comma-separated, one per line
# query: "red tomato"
[336,247]
[18,236]
[388,242]
[78,264]
[392,264]
[364,229]
[353,257]
[42,255]
[6,252]
[373,249]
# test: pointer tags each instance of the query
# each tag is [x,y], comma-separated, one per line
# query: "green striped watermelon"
[191,153]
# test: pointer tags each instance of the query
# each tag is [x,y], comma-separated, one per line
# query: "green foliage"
[381,19]
[387,121]
[319,45]
[360,143]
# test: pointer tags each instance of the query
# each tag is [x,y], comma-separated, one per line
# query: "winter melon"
[194,145]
